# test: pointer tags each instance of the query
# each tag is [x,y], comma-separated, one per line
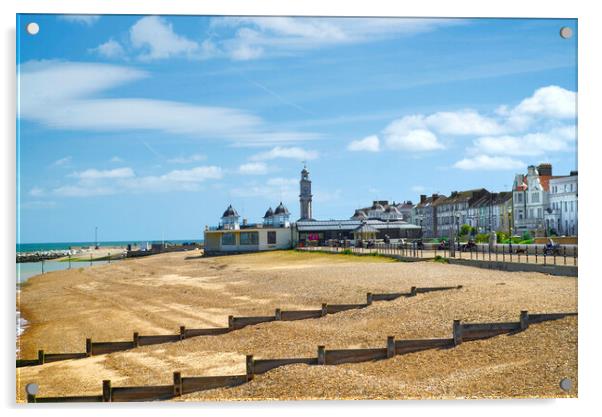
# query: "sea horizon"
[48,246]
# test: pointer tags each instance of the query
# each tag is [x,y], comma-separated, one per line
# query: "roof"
[360,213]
[230,212]
[377,206]
[268,213]
[393,209]
[545,182]
[321,225]
[281,209]
[463,196]
[366,228]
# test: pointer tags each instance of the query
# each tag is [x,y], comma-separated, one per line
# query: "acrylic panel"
[294,208]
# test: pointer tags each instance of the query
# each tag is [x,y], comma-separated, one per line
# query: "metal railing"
[520,253]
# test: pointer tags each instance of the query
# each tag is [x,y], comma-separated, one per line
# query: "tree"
[465,229]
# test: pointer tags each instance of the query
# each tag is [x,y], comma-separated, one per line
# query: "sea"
[50,246]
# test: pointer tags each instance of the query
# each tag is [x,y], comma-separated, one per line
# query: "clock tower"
[305,195]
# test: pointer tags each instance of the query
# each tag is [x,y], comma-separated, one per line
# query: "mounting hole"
[31,389]
[32,28]
[566,384]
[566,32]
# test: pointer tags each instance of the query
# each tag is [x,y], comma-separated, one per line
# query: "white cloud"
[37,192]
[116,160]
[110,49]
[93,174]
[83,191]
[253,168]
[529,144]
[369,144]
[156,36]
[187,159]
[62,162]
[417,140]
[93,182]
[256,37]
[82,19]
[552,101]
[282,152]
[489,163]
[276,188]
[463,122]
[62,95]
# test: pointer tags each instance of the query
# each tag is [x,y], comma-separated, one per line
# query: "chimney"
[545,169]
[573,173]
[244,222]
[422,198]
[454,194]
[435,197]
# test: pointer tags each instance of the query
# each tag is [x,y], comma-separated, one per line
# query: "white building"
[561,215]
[531,199]
[232,237]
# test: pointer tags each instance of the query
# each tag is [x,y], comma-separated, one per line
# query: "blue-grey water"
[48,246]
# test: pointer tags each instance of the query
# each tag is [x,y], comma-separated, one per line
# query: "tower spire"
[305,196]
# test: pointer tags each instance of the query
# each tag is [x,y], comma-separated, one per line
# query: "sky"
[148,127]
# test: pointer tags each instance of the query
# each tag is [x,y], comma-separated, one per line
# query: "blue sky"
[150,126]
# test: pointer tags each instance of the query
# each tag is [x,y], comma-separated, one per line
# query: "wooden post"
[321,355]
[136,339]
[40,357]
[457,332]
[182,332]
[230,322]
[324,309]
[250,367]
[278,314]
[88,347]
[390,346]
[524,320]
[413,292]
[177,384]
[107,396]
[369,298]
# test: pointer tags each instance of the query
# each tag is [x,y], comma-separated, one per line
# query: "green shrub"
[347,252]
[441,259]
[466,229]
[482,238]
[501,237]
[526,236]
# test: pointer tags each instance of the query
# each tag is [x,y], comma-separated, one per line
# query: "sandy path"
[158,294]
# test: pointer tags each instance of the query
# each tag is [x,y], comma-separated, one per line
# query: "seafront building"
[561,214]
[277,232]
[539,203]
[232,236]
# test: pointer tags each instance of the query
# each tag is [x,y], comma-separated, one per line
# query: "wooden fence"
[462,332]
[234,323]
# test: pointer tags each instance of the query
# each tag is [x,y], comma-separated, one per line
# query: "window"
[571,187]
[535,197]
[530,213]
[519,197]
[565,207]
[249,238]
[271,238]
[228,239]
[572,206]
[539,213]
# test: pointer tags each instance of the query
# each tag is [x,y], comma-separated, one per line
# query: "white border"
[590,29]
